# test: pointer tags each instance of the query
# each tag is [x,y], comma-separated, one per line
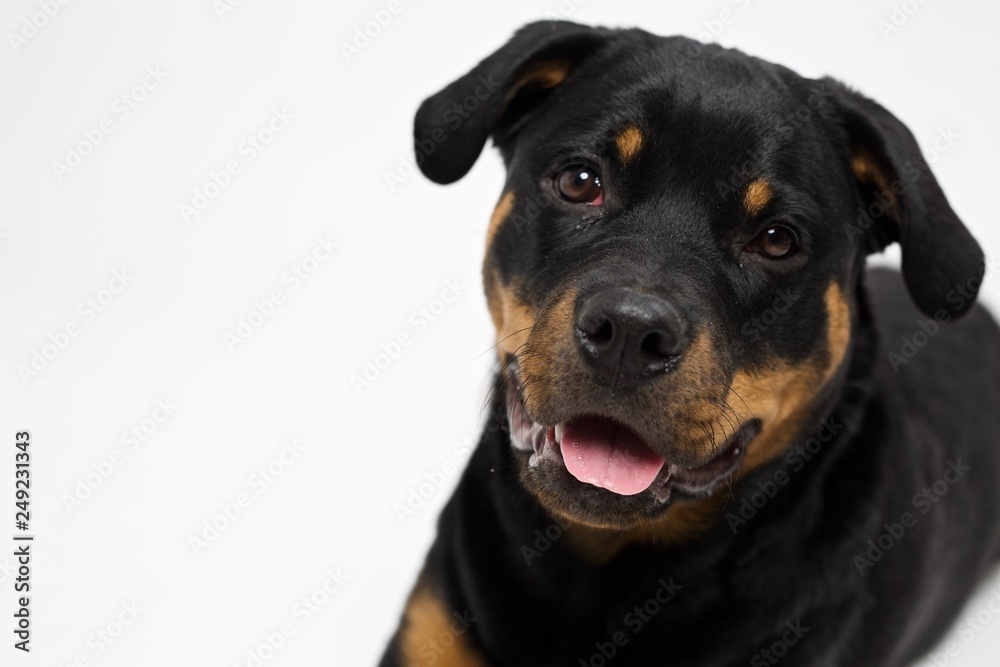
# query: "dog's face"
[673,265]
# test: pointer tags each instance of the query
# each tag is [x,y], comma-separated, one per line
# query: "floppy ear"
[902,196]
[452,127]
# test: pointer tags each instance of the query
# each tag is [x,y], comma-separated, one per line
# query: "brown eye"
[580,185]
[775,242]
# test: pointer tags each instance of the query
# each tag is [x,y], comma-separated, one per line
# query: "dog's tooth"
[560,427]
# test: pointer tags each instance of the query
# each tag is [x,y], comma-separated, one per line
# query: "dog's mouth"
[606,454]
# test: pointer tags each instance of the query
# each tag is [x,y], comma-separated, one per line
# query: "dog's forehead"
[712,75]
[666,125]
[719,97]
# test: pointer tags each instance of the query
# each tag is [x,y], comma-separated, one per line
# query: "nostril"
[659,344]
[597,329]
[626,337]
[604,332]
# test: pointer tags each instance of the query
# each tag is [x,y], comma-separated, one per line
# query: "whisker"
[503,378]
[494,345]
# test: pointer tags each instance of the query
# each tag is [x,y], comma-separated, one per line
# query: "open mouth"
[607,454]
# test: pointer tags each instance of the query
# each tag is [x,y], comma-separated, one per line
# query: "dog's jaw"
[541,450]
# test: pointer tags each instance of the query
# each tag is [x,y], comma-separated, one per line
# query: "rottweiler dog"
[715,438]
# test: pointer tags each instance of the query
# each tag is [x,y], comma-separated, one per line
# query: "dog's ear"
[452,126]
[905,204]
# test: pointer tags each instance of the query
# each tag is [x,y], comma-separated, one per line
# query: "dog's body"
[823,468]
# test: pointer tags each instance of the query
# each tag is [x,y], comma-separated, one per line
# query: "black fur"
[800,569]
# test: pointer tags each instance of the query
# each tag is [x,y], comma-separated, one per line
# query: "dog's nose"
[627,337]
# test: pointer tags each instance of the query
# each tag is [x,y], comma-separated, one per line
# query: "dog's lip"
[541,443]
[701,479]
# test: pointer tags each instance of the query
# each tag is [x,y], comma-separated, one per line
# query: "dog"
[716,438]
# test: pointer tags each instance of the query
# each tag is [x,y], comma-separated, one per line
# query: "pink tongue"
[600,452]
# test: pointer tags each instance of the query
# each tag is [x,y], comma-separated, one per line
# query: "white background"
[163,335]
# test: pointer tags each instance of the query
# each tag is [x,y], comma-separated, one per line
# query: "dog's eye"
[580,185]
[775,242]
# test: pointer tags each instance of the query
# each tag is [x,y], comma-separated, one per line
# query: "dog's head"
[673,264]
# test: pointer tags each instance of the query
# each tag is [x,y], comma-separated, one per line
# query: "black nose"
[628,337]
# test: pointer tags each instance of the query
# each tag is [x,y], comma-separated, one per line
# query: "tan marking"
[517,323]
[494,300]
[540,368]
[500,213]
[628,141]
[838,329]
[697,410]
[781,396]
[777,396]
[541,356]
[692,413]
[683,522]
[512,318]
[757,196]
[868,170]
[425,621]
[687,519]
[543,75]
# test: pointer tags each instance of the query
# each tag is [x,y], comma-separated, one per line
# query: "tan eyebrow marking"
[629,141]
[757,196]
